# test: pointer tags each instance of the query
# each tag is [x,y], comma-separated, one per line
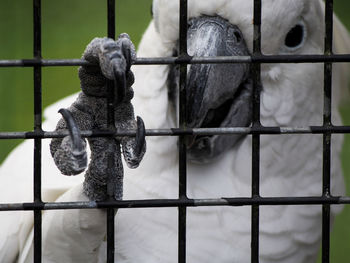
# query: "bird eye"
[295,37]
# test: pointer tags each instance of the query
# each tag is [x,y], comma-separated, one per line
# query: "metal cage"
[256,130]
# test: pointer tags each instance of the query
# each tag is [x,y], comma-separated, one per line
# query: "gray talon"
[119,84]
[73,130]
[105,171]
[121,70]
[140,136]
[78,149]
[127,54]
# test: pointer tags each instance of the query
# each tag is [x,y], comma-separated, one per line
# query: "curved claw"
[74,132]
[119,84]
[127,55]
[140,135]
[120,73]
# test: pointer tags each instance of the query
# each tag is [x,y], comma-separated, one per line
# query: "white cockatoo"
[218,166]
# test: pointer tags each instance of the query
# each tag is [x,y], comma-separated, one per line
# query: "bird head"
[220,95]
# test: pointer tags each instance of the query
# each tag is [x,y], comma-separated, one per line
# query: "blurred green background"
[67,27]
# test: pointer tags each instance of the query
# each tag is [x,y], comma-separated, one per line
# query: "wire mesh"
[256,130]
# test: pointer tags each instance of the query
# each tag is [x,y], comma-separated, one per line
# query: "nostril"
[238,36]
[234,35]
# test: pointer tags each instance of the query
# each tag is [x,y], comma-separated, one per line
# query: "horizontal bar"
[182,131]
[148,203]
[43,62]
[186,60]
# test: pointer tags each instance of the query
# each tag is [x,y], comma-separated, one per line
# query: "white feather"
[291,165]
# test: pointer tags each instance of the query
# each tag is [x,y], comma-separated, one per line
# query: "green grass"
[67,26]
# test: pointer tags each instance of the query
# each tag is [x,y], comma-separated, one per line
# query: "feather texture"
[291,165]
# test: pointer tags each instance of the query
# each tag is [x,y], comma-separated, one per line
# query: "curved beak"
[218,95]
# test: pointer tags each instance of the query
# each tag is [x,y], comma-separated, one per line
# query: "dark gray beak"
[218,95]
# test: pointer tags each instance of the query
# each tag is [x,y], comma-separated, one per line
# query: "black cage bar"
[37,128]
[256,130]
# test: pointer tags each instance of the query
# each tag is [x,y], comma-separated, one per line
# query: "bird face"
[220,95]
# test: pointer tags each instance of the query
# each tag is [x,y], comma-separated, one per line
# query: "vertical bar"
[111,125]
[327,122]
[37,127]
[257,27]
[110,235]
[110,84]
[182,123]
[111,18]
[256,137]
